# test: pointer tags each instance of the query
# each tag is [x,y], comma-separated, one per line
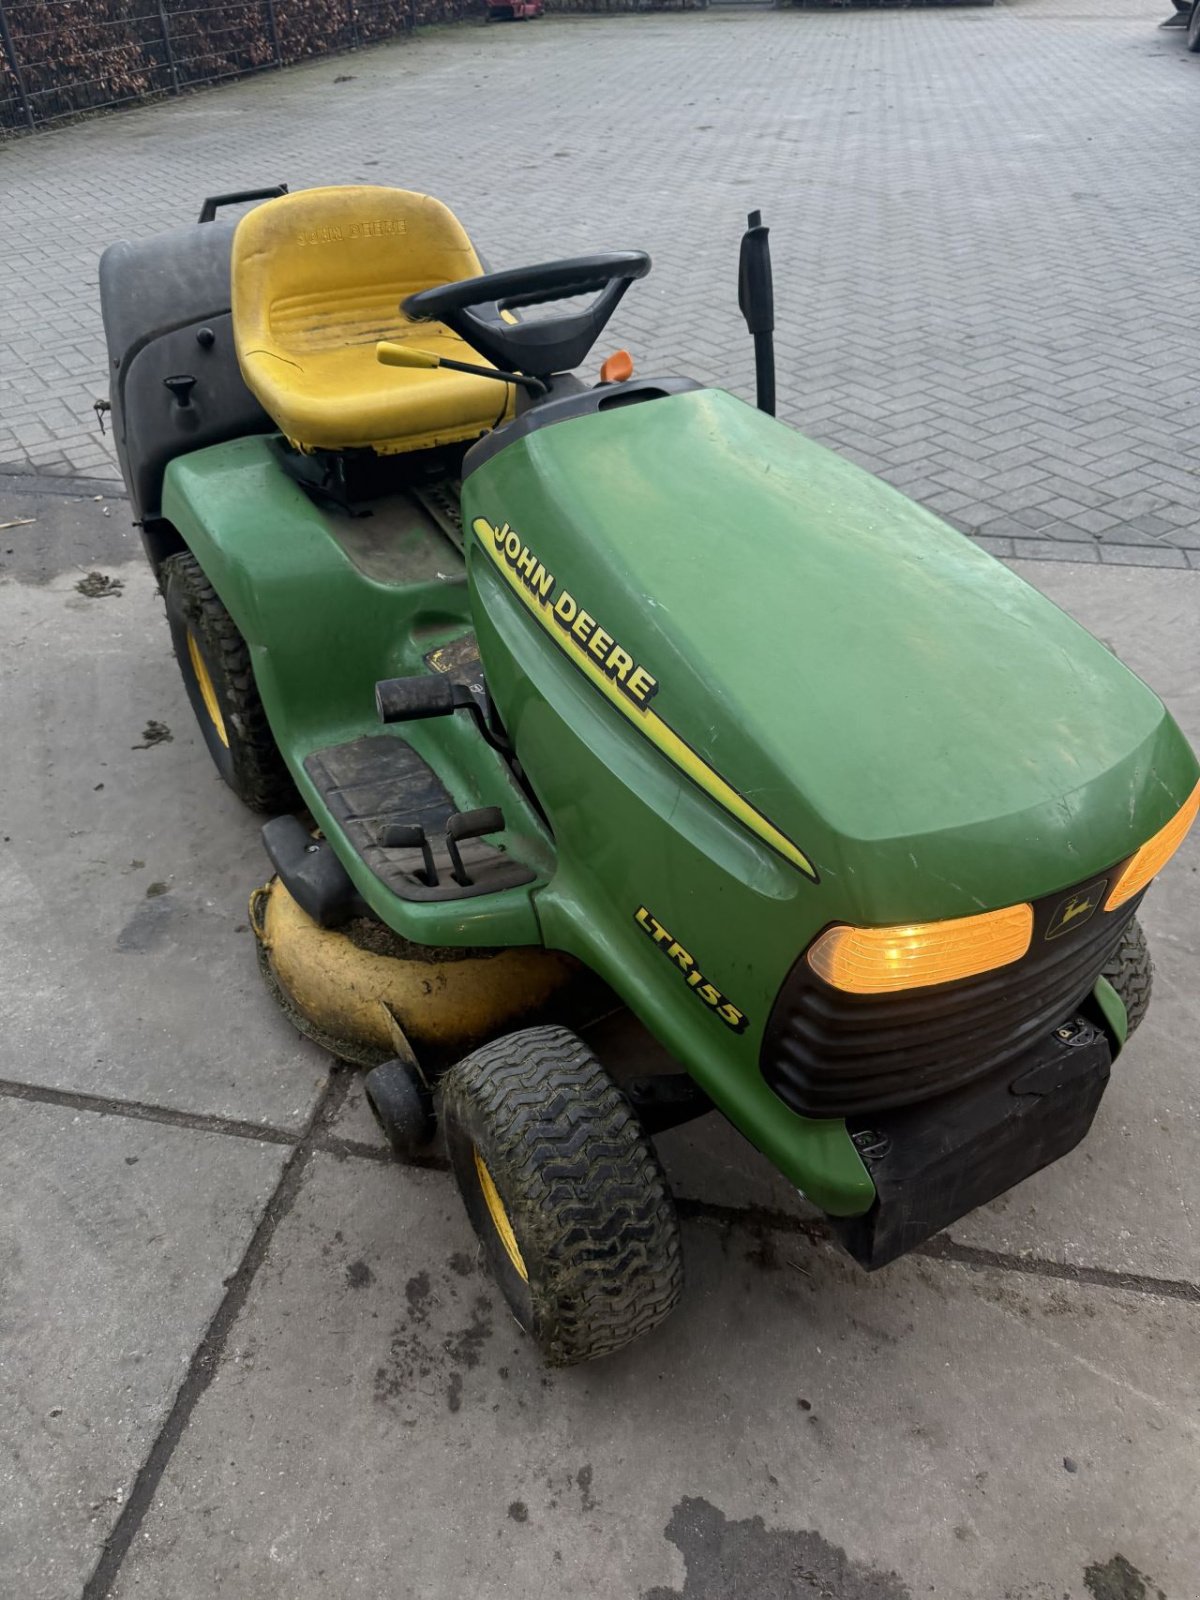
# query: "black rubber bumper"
[934,1162]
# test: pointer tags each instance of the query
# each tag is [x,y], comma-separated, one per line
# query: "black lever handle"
[756,297]
[407,699]
[469,825]
[431,695]
[208,211]
[181,387]
[411,836]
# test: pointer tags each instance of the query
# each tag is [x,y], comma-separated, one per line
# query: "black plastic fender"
[166,308]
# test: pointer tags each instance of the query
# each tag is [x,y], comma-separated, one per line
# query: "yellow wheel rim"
[207,693]
[499,1216]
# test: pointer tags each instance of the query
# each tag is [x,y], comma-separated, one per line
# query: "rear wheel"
[565,1192]
[1193,33]
[215,663]
[1131,973]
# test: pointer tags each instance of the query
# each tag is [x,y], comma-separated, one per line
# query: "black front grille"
[828,1054]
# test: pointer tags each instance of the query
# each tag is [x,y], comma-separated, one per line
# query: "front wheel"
[1193,33]
[565,1192]
[1131,972]
[215,663]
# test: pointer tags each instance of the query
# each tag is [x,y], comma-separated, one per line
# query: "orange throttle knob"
[617,367]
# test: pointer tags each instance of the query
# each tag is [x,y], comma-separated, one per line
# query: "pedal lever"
[412,836]
[469,825]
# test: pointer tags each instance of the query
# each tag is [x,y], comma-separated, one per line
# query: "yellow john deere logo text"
[619,677]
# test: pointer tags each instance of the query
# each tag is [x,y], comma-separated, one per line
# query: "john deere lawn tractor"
[566,689]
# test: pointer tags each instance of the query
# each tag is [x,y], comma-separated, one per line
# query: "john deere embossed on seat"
[318,278]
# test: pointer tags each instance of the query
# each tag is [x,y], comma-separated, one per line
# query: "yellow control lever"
[405,355]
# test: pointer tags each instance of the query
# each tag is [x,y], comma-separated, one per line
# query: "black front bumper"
[932,1163]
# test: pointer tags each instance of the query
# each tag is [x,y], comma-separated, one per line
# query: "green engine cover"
[757,691]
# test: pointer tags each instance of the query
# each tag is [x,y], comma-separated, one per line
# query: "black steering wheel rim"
[552,344]
[528,286]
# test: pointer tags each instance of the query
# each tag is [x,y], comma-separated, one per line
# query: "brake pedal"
[411,836]
[469,825]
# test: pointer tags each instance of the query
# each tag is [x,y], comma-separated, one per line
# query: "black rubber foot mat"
[378,781]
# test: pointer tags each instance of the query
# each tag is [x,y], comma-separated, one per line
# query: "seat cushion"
[318,278]
[343,399]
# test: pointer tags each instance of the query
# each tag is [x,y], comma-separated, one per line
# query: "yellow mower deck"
[367,1004]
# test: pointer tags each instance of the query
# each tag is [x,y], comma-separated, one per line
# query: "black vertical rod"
[166,33]
[764,372]
[19,76]
[273,32]
[756,299]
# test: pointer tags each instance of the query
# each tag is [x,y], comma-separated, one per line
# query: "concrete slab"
[117,1237]
[125,863]
[379,1427]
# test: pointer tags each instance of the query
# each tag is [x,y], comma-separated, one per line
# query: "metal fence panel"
[59,58]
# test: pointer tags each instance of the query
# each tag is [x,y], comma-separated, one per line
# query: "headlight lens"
[1154,854]
[913,956]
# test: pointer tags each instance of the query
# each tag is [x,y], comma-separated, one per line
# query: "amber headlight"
[882,960]
[1154,854]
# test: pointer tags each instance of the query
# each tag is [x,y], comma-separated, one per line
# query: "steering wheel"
[552,344]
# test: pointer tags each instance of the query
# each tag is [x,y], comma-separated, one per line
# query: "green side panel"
[323,629]
[931,734]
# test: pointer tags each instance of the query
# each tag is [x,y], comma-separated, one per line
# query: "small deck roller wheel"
[402,1106]
[1131,973]
[215,663]
[565,1192]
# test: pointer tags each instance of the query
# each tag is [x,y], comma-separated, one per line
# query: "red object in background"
[513,10]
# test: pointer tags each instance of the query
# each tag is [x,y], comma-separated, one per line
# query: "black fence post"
[166,33]
[18,75]
[272,30]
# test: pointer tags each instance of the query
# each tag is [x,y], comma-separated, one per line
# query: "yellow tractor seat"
[318,278]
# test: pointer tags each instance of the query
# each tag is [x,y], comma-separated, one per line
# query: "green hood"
[929,733]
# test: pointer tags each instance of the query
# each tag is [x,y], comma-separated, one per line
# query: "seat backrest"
[325,268]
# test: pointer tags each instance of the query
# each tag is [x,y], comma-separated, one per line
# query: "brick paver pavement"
[981,224]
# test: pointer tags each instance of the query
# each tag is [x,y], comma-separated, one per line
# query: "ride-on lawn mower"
[854,821]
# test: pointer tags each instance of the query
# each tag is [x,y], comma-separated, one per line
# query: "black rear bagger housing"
[166,308]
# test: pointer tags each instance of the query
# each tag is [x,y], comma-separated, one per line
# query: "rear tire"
[565,1192]
[1193,33]
[215,663]
[1131,973]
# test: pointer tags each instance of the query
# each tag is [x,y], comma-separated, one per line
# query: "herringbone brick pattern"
[981,219]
